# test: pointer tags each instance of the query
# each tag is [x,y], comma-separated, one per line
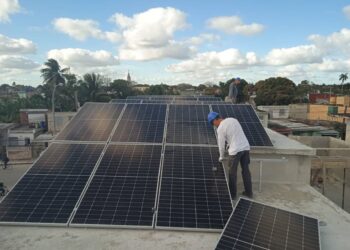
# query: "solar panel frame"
[247,245]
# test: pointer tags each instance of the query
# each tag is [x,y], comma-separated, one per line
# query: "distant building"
[320,98]
[128,78]
[141,87]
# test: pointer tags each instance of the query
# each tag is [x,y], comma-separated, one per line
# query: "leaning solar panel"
[48,193]
[192,194]
[94,122]
[123,191]
[141,123]
[256,226]
[249,121]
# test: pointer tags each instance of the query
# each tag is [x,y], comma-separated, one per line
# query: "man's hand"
[221,159]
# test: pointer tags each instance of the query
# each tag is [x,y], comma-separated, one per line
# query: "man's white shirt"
[231,131]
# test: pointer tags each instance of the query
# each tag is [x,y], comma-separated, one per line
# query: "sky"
[178,41]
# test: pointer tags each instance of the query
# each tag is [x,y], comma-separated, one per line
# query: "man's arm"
[221,144]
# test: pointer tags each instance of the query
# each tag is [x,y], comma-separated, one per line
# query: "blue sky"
[177,41]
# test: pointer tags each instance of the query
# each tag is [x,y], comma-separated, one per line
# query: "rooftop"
[303,199]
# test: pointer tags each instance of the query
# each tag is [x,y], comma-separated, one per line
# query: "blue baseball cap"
[212,116]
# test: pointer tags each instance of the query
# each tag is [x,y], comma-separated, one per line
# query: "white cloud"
[8,7]
[202,38]
[150,35]
[294,55]
[82,29]
[16,46]
[231,58]
[234,25]
[17,62]
[334,43]
[83,59]
[329,65]
[346,11]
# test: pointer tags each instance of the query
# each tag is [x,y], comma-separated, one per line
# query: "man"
[240,95]
[232,92]
[230,131]
[5,160]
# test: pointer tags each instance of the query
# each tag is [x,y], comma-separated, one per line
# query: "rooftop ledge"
[284,145]
[301,199]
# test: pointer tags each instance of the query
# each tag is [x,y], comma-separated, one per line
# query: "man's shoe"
[249,195]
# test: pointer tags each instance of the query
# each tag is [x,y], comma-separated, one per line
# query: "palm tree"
[343,77]
[92,84]
[53,76]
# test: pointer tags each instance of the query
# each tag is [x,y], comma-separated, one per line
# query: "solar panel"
[192,195]
[51,188]
[188,113]
[42,199]
[192,162]
[187,124]
[67,159]
[187,132]
[131,160]
[193,203]
[118,201]
[256,226]
[249,121]
[94,122]
[141,123]
[123,190]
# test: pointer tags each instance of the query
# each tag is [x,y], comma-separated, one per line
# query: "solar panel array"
[249,121]
[254,225]
[126,165]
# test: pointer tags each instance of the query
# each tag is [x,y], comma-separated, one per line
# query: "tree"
[53,76]
[92,87]
[343,77]
[121,88]
[275,91]
[52,73]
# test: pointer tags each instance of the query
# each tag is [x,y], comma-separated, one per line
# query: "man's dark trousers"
[243,158]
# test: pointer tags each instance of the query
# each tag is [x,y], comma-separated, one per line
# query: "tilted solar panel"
[253,225]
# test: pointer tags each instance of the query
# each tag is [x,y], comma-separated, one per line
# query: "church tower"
[128,78]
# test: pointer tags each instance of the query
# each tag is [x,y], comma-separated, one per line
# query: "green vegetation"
[72,89]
